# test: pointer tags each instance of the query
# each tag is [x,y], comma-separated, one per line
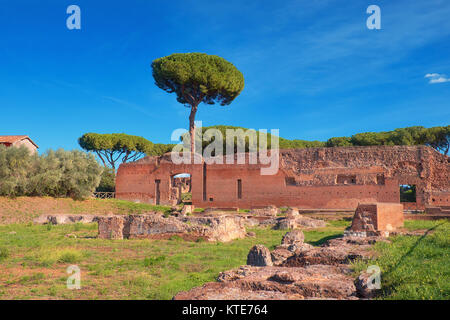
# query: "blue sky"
[312,68]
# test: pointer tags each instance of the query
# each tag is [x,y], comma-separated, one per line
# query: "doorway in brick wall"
[181,184]
[157,192]
[239,189]
[407,193]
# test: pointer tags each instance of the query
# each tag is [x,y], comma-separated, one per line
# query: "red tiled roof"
[13,139]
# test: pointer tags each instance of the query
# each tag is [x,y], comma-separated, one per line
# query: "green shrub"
[59,173]
[16,164]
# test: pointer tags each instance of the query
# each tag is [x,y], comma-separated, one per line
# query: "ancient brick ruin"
[334,178]
[372,219]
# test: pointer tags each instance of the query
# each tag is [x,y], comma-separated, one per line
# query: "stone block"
[376,217]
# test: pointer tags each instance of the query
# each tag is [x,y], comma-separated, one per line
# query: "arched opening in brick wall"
[181,188]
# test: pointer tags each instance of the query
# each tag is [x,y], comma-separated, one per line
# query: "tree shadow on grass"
[413,247]
[324,239]
[407,254]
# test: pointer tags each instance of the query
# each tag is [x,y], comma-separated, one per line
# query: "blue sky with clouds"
[312,68]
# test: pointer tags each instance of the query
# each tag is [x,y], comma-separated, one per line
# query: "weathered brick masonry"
[335,178]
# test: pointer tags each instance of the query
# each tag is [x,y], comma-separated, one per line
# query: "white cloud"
[437,78]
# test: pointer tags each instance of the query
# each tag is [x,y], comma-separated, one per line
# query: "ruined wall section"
[437,183]
[133,180]
[391,166]
[150,180]
[368,165]
[331,178]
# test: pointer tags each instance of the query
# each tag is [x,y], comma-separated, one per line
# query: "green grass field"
[34,259]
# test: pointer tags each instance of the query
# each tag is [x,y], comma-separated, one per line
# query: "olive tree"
[62,173]
[197,78]
[59,173]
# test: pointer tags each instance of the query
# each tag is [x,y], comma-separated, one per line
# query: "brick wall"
[389,216]
[335,178]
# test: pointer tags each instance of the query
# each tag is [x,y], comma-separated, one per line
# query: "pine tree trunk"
[192,127]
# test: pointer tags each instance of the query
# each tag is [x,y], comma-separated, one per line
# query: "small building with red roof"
[17,141]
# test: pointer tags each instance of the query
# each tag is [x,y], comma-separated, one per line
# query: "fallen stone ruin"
[270,211]
[293,271]
[259,218]
[270,217]
[218,228]
[298,270]
[155,225]
[294,220]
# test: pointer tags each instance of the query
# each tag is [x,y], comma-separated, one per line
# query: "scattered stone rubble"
[269,216]
[293,237]
[294,270]
[259,256]
[251,222]
[270,211]
[295,220]
[276,283]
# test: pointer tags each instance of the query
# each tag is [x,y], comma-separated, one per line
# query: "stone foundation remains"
[220,228]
